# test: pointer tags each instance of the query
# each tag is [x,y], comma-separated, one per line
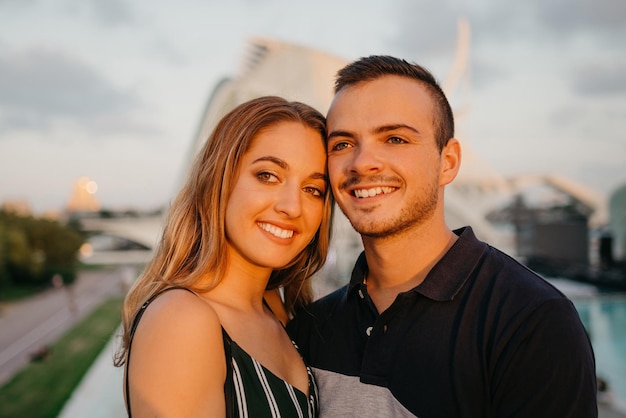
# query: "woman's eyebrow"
[318,176]
[277,161]
[283,164]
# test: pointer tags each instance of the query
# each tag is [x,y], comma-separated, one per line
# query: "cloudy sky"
[114,89]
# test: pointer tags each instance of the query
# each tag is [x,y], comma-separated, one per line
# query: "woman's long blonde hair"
[194,239]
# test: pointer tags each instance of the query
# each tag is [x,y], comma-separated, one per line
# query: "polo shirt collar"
[447,277]
[358,273]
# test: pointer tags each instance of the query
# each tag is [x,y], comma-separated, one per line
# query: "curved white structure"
[271,67]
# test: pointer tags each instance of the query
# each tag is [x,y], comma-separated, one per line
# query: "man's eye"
[396,140]
[339,146]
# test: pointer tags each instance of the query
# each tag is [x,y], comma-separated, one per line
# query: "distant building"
[617,222]
[551,230]
[17,206]
[272,67]
[83,197]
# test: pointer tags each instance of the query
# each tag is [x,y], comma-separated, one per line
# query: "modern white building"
[271,67]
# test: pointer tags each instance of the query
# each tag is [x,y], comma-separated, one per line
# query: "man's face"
[383,161]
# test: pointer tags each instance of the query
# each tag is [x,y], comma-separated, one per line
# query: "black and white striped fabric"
[250,389]
[259,393]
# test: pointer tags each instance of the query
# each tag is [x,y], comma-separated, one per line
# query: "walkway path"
[100,394]
[43,318]
[28,326]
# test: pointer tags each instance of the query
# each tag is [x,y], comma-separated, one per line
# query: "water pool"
[604,316]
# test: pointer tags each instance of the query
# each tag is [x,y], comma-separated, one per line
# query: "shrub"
[32,250]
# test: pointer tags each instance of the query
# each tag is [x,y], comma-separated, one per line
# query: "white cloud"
[114,90]
[39,85]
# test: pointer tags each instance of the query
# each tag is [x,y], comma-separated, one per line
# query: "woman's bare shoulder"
[179,317]
[178,340]
[175,302]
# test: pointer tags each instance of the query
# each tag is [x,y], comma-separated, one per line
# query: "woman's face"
[277,202]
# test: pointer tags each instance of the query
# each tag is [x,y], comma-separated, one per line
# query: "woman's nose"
[289,202]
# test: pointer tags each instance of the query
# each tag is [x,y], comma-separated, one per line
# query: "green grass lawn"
[42,388]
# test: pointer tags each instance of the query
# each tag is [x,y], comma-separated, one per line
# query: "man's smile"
[373,191]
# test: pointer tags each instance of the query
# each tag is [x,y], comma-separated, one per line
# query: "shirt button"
[368,331]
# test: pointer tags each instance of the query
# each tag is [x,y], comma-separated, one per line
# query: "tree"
[32,250]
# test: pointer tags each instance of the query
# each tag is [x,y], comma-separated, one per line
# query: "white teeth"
[276,231]
[361,193]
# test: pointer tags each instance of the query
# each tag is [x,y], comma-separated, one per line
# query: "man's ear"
[450,161]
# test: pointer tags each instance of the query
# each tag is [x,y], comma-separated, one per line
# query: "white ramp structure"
[273,67]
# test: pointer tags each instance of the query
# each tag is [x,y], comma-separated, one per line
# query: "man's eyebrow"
[341,134]
[378,129]
[394,127]
[277,161]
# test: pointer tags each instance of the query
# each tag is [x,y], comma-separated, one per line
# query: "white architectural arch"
[271,67]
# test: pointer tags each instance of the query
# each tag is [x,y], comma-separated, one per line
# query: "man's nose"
[365,160]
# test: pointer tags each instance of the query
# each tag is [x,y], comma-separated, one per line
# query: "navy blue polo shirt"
[481,336]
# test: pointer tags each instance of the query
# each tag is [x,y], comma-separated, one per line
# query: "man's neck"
[398,264]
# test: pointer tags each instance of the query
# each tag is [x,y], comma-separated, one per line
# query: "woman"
[254,215]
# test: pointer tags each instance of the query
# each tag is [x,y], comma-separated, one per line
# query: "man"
[434,323]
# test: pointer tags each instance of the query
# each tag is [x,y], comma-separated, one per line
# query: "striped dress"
[254,391]
[250,389]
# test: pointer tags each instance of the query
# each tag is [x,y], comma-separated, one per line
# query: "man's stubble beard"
[415,213]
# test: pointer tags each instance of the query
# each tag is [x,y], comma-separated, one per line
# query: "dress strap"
[229,384]
[132,334]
